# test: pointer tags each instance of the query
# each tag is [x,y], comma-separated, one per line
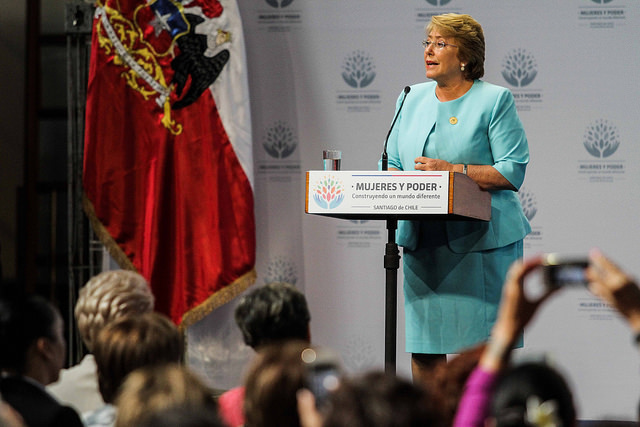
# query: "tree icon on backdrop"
[528,202]
[438,2]
[280,141]
[601,139]
[281,270]
[358,69]
[279,3]
[519,68]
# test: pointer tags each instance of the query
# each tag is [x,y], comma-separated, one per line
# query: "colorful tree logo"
[280,141]
[601,139]
[328,193]
[358,69]
[519,68]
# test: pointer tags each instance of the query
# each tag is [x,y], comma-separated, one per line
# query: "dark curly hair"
[271,313]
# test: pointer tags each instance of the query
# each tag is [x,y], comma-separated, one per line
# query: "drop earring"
[461,67]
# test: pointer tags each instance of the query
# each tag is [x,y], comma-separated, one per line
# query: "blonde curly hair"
[109,296]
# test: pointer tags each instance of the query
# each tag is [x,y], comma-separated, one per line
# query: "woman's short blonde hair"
[469,38]
[107,297]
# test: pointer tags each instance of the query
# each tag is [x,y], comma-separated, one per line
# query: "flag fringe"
[103,235]
[218,299]
[195,314]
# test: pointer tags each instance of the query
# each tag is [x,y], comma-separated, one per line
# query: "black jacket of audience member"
[37,407]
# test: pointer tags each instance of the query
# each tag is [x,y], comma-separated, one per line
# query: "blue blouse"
[481,127]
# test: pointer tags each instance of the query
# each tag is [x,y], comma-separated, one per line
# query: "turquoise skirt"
[452,299]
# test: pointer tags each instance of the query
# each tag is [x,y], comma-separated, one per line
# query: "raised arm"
[614,286]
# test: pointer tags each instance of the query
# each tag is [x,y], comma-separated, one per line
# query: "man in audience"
[269,314]
[106,297]
[32,352]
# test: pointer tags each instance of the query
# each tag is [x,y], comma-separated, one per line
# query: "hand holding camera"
[613,285]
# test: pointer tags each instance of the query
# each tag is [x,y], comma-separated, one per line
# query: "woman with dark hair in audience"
[269,314]
[532,394]
[378,399]
[274,378]
[32,353]
[373,399]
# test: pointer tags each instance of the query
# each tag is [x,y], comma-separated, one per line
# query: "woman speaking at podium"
[454,270]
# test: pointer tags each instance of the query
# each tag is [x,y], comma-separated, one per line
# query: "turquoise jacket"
[481,127]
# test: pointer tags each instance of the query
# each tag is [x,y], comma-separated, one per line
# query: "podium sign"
[391,196]
[379,194]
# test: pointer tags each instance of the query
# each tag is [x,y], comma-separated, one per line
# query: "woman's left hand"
[486,176]
[429,164]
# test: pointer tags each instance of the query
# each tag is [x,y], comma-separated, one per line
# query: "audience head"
[149,391]
[181,416]
[107,297]
[379,399]
[134,342]
[527,393]
[31,338]
[272,313]
[273,379]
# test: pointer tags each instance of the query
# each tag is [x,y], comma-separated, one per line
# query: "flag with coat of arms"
[168,169]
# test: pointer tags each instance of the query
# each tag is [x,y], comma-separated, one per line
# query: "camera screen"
[322,382]
[567,274]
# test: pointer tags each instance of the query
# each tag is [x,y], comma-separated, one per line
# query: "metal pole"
[391,265]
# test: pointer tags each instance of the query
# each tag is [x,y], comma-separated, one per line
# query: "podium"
[393,196]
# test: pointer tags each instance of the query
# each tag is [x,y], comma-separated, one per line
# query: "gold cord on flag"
[116,33]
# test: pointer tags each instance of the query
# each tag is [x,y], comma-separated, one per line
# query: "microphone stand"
[391,266]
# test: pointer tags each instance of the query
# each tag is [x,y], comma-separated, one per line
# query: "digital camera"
[564,270]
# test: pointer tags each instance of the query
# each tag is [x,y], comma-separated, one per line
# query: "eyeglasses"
[439,45]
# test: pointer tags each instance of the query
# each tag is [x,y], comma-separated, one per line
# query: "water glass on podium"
[331,159]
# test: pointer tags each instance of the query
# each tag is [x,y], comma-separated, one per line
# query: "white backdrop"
[578,101]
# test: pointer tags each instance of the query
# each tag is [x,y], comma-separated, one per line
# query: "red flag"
[167,164]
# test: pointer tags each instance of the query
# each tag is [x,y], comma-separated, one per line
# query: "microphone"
[385,157]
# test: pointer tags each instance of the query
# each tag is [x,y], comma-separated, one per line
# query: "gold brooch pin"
[453,120]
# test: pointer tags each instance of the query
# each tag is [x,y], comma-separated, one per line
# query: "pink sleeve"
[230,407]
[473,408]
